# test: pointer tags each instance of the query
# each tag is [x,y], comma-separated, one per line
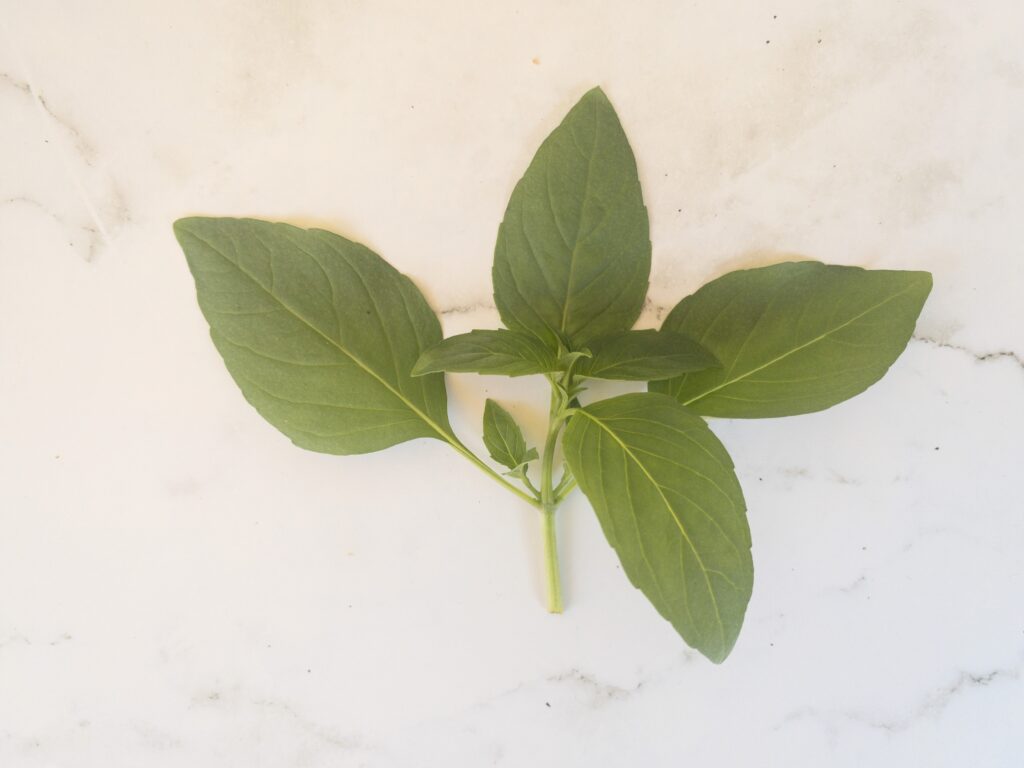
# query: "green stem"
[554,585]
[548,505]
[529,485]
[549,496]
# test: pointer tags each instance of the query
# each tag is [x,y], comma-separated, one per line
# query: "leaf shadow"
[334,225]
[656,307]
[755,258]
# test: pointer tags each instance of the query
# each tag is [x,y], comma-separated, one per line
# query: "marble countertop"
[183,587]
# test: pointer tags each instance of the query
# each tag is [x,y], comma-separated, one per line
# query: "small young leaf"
[573,253]
[497,352]
[794,337]
[320,333]
[644,356]
[568,359]
[670,505]
[504,439]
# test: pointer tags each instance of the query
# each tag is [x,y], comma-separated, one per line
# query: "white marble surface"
[179,586]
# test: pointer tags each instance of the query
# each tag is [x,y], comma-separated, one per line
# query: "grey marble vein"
[932,705]
[601,692]
[105,213]
[981,357]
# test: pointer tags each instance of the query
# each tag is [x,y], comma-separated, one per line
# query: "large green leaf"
[643,356]
[319,332]
[795,337]
[504,439]
[496,352]
[669,503]
[573,253]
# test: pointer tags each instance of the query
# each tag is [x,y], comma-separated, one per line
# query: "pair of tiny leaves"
[782,340]
[504,439]
[322,336]
[625,356]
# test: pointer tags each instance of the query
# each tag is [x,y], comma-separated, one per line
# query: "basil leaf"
[573,253]
[507,353]
[504,439]
[669,503]
[644,356]
[794,337]
[319,332]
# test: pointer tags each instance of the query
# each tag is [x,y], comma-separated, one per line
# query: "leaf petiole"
[565,486]
[458,446]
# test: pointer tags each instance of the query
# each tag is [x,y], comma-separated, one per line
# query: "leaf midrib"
[579,224]
[803,346]
[354,358]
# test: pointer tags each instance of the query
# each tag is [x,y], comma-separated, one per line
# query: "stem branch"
[458,446]
[564,489]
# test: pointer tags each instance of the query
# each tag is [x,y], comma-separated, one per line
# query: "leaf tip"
[720,650]
[180,226]
[923,283]
[717,657]
[597,96]
[188,227]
